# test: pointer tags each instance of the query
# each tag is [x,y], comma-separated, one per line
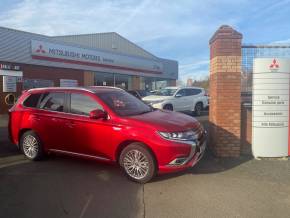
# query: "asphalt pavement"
[61,186]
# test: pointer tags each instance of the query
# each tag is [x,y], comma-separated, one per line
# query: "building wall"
[107,41]
[246,129]
[54,74]
[45,73]
[15,47]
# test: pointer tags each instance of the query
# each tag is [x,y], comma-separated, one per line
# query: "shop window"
[104,79]
[36,83]
[123,81]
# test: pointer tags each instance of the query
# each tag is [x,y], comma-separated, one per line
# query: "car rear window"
[53,101]
[32,100]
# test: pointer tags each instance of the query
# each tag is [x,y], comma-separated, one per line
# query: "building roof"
[110,41]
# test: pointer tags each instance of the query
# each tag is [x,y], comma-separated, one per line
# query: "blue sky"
[174,29]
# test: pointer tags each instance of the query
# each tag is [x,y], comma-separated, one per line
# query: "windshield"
[166,92]
[123,103]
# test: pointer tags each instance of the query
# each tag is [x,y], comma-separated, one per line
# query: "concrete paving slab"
[220,188]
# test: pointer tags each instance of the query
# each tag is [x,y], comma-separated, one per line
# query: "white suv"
[179,99]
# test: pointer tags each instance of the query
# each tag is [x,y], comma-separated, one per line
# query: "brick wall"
[46,73]
[225,92]
[246,130]
[52,73]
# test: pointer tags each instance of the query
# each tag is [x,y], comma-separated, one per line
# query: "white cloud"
[195,70]
[139,20]
[173,29]
[285,41]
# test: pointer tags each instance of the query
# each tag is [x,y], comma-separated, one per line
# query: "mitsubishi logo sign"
[270,107]
[40,49]
[274,65]
[54,52]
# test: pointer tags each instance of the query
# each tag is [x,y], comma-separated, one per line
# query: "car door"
[198,96]
[180,100]
[49,119]
[189,99]
[87,136]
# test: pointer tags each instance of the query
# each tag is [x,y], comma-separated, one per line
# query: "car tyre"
[198,109]
[168,107]
[138,163]
[31,146]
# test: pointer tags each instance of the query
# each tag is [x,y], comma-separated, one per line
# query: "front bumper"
[195,155]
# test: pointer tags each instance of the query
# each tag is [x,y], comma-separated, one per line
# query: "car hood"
[156,98]
[166,121]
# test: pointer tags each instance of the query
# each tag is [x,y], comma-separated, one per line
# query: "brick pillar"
[225,92]
[171,83]
[136,83]
[88,79]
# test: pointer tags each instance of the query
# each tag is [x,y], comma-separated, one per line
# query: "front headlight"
[180,136]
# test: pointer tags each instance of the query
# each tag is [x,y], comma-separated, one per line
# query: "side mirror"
[98,114]
[178,95]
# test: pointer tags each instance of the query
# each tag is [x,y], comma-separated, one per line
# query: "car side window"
[181,92]
[189,92]
[32,100]
[196,91]
[83,104]
[53,101]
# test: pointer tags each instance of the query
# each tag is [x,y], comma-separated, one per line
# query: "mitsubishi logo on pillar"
[274,65]
[40,49]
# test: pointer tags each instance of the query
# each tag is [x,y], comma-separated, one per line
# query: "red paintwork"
[103,138]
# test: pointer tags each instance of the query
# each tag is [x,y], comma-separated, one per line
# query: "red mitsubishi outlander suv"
[107,124]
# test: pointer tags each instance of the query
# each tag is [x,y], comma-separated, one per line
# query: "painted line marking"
[14,163]
[86,206]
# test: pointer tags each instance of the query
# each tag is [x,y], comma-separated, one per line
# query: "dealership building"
[29,60]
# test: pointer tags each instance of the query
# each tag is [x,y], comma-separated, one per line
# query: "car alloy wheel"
[168,107]
[31,146]
[198,109]
[136,164]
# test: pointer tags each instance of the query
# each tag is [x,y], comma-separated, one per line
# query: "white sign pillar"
[270,114]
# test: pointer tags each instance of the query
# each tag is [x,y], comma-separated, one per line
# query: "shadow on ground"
[6,147]
[210,163]
[207,165]
[68,187]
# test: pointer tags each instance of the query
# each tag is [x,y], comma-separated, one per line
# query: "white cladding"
[110,41]
[270,115]
[82,55]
